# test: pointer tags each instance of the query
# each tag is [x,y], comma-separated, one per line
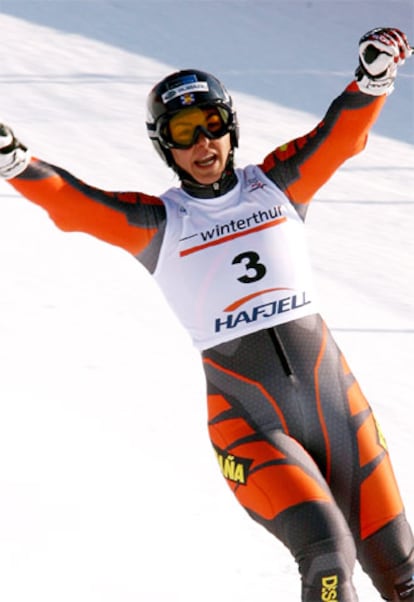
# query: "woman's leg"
[290,387]
[382,534]
[280,486]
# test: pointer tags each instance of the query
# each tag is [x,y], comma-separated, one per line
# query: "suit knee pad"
[326,569]
[388,558]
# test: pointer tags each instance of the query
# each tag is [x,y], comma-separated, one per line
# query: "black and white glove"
[14,157]
[381,52]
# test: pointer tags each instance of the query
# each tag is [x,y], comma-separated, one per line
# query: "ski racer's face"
[206,159]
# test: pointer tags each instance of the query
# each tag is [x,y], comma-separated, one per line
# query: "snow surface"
[109,490]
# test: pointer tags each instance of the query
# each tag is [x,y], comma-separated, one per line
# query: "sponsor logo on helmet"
[183,89]
[187,99]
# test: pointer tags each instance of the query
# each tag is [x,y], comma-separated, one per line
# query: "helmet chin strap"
[226,182]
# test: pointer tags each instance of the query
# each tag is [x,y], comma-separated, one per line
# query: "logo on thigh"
[233,468]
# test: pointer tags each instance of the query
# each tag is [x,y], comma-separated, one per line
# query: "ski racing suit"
[294,436]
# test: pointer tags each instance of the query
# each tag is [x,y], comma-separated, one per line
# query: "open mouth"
[207,162]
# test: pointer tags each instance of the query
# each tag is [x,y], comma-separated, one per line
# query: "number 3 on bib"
[256,270]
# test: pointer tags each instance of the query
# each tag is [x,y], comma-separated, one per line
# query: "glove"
[381,51]
[14,157]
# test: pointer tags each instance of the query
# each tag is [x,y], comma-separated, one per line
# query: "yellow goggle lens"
[183,125]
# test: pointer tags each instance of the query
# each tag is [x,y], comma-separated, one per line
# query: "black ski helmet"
[186,88]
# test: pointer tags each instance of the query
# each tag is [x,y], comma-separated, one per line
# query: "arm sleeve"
[303,165]
[130,220]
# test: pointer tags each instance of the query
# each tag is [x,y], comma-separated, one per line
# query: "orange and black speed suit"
[294,436]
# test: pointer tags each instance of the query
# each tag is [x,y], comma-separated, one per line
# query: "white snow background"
[109,490]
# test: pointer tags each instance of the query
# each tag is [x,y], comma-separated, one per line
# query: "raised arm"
[130,220]
[303,165]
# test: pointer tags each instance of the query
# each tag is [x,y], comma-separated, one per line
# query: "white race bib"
[237,263]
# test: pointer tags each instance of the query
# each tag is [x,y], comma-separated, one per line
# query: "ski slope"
[109,489]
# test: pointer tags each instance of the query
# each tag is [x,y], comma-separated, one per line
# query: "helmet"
[182,89]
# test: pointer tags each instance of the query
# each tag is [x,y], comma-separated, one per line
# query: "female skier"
[295,438]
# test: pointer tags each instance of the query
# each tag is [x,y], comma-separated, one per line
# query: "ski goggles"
[182,129]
